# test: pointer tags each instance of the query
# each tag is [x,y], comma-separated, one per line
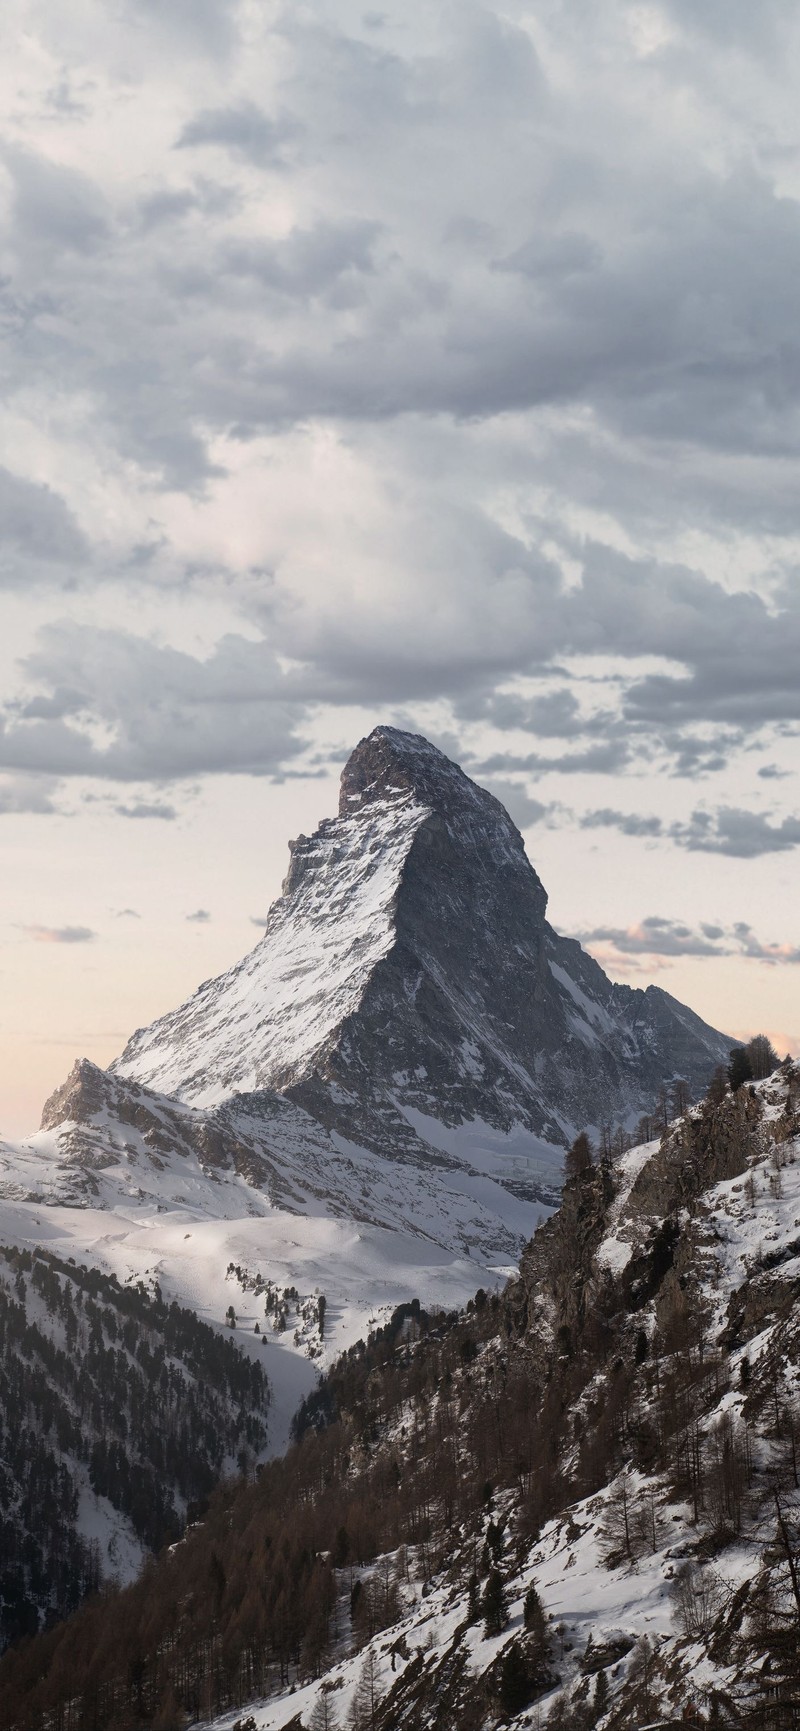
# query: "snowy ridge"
[269,1018]
[146,1187]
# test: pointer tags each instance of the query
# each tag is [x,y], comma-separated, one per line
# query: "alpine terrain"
[408,1049]
[574,1504]
[371,1108]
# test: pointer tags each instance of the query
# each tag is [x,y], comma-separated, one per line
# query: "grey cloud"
[200,918]
[167,206]
[128,914]
[56,209]
[39,537]
[726,830]
[622,322]
[734,22]
[556,255]
[629,823]
[694,757]
[751,946]
[27,793]
[683,325]
[244,129]
[607,758]
[556,714]
[60,934]
[740,834]
[656,936]
[307,261]
[740,651]
[171,715]
[202,27]
[741,654]
[256,921]
[145,808]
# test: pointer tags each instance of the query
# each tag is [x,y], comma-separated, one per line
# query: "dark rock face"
[408,984]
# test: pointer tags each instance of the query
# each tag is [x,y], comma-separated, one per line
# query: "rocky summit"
[408,986]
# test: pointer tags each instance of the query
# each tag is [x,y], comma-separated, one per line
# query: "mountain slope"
[578,1506]
[116,1412]
[149,1189]
[408,977]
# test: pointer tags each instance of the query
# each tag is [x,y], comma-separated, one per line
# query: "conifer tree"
[495,1610]
[533,1617]
[514,1690]
[601,1695]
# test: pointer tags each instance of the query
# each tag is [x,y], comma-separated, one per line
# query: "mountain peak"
[407,980]
[389,764]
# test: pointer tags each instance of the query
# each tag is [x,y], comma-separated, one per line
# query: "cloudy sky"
[434,363]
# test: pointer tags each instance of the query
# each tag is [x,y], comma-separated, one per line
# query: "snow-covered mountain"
[374,1103]
[408,981]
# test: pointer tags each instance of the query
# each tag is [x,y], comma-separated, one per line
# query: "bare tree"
[681,1098]
[698,1595]
[323,1714]
[763,1057]
[640,1672]
[579,1162]
[618,1530]
[364,1710]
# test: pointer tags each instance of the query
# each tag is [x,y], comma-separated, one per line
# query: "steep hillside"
[576,1504]
[117,1413]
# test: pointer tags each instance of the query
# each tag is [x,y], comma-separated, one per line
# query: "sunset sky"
[435,364]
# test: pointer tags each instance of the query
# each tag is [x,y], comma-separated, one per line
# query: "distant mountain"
[408,985]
